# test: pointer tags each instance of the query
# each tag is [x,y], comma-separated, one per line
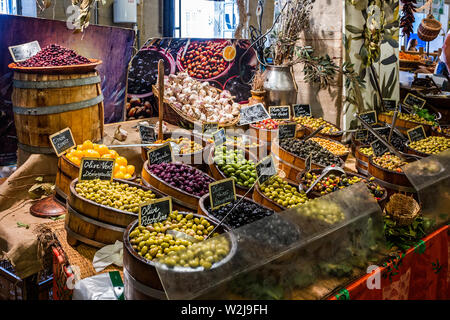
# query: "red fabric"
[420,274]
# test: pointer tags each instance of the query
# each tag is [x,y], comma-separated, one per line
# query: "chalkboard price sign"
[361,134]
[219,137]
[416,134]
[222,193]
[390,105]
[147,134]
[162,154]
[155,211]
[280,112]
[287,130]
[96,168]
[252,114]
[308,162]
[414,101]
[302,110]
[265,169]
[369,117]
[24,51]
[379,148]
[62,141]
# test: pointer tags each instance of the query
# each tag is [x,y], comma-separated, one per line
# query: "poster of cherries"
[224,63]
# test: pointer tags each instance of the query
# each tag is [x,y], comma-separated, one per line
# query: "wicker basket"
[429,28]
[403,209]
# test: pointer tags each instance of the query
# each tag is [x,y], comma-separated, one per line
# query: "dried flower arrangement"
[258,81]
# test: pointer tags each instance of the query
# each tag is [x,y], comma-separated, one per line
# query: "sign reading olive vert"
[62,141]
[162,154]
[379,148]
[265,169]
[222,192]
[96,168]
[361,134]
[302,110]
[252,114]
[147,133]
[416,134]
[287,130]
[155,211]
[414,101]
[390,105]
[219,137]
[280,112]
[369,117]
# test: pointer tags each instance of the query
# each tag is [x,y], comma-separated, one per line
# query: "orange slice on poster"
[229,53]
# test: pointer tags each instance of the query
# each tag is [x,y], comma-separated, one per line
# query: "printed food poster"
[223,63]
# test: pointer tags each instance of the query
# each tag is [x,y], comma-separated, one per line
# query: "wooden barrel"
[219,175]
[403,125]
[260,198]
[141,280]
[44,104]
[185,200]
[362,161]
[96,224]
[66,173]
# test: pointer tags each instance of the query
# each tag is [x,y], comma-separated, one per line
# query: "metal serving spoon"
[325,172]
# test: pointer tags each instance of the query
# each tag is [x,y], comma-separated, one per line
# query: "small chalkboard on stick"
[155,211]
[287,130]
[219,137]
[361,134]
[222,193]
[414,101]
[252,114]
[390,105]
[280,112]
[265,169]
[302,110]
[147,133]
[24,51]
[416,134]
[96,168]
[308,163]
[162,154]
[62,141]
[369,117]
[379,148]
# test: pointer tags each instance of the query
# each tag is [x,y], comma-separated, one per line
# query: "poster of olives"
[225,64]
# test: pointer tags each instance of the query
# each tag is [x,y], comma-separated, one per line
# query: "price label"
[96,168]
[361,134]
[390,105]
[280,112]
[147,134]
[209,128]
[379,148]
[416,134]
[308,163]
[222,193]
[160,154]
[252,114]
[62,141]
[24,51]
[369,117]
[287,130]
[414,101]
[302,110]
[155,211]
[219,137]
[265,169]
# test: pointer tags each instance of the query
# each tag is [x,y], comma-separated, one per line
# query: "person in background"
[412,44]
[443,66]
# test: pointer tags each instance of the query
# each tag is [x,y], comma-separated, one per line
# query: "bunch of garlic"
[199,100]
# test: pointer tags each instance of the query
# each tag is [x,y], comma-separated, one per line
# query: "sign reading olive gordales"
[96,168]
[265,169]
[62,141]
[155,211]
[160,154]
[222,193]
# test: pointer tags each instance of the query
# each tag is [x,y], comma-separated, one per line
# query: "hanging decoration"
[407,19]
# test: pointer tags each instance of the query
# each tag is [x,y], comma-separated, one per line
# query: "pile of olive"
[333,183]
[281,192]
[303,149]
[325,211]
[431,145]
[233,164]
[152,241]
[410,117]
[390,162]
[244,213]
[334,147]
[315,123]
[117,195]
[367,151]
